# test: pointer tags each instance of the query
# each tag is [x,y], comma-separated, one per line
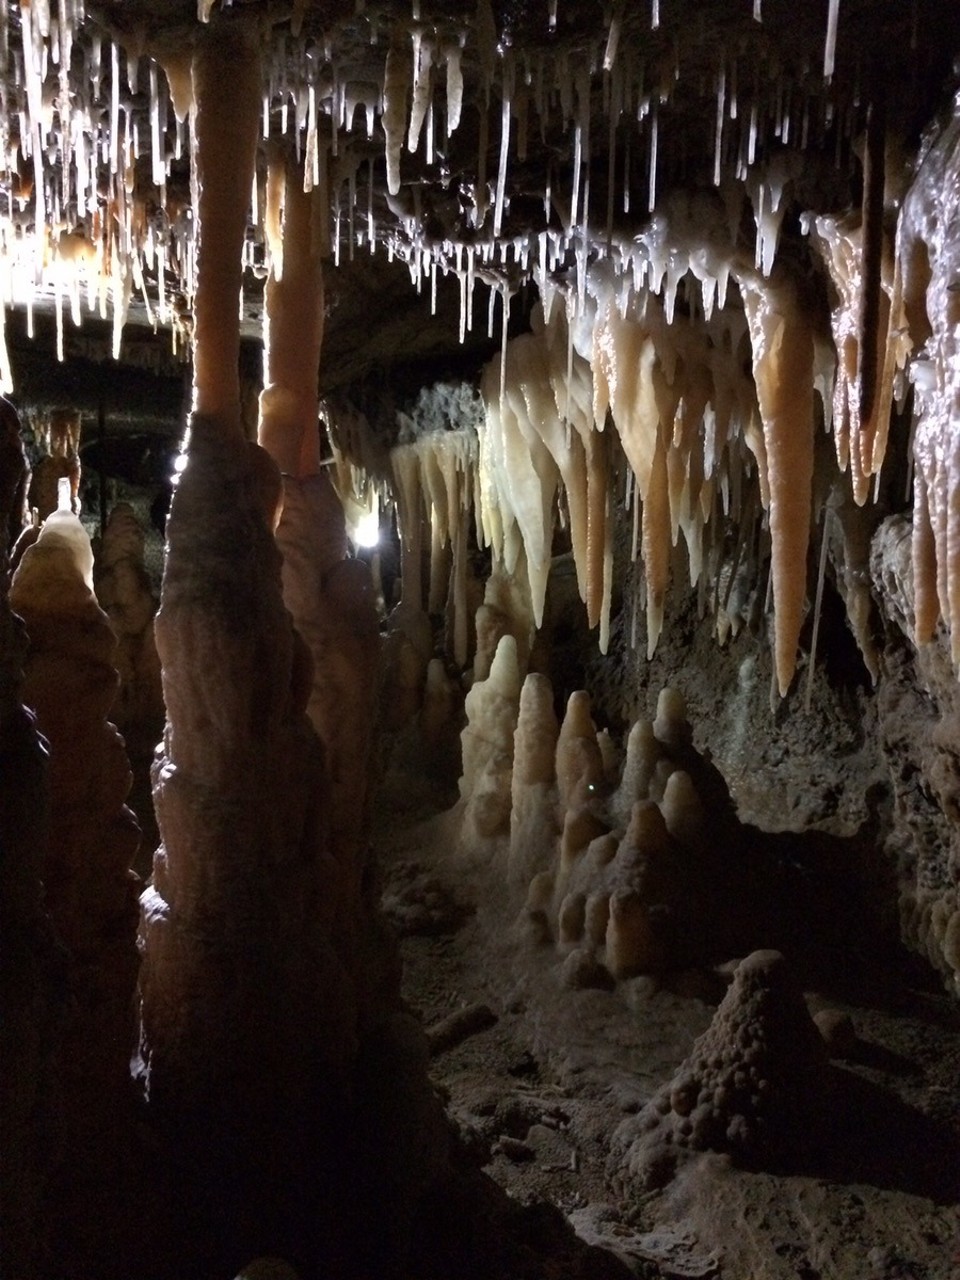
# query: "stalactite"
[293,327]
[870,332]
[783,370]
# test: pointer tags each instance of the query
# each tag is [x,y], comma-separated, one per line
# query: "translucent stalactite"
[830,40]
[396,87]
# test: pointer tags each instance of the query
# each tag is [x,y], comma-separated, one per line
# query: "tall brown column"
[330,597]
[247,1009]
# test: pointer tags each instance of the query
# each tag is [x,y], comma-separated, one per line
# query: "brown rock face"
[13,480]
[27,966]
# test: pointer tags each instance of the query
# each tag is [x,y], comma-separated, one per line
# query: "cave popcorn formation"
[754,1084]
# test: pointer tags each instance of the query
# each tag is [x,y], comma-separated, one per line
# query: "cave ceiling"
[524,135]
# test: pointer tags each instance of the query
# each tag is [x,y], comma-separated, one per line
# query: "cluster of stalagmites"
[609,852]
[753,1085]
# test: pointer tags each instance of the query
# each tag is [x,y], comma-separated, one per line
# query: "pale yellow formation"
[492,707]
[531,791]
[579,764]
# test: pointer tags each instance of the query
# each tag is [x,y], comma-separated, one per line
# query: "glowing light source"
[366,532]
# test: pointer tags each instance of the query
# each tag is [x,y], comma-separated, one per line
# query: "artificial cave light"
[366,532]
[711,368]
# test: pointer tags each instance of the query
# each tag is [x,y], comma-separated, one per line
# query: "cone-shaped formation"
[532,796]
[753,1085]
[70,681]
[122,585]
[492,707]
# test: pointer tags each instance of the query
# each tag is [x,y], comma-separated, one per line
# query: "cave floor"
[536,1077]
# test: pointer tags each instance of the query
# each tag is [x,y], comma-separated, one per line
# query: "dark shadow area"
[873,1137]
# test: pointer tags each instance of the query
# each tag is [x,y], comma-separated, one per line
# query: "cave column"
[246,1007]
[330,597]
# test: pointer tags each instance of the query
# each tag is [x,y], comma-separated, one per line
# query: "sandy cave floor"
[538,1077]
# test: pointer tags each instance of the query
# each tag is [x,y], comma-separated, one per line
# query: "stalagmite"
[70,682]
[671,726]
[643,751]
[682,810]
[123,591]
[506,610]
[125,594]
[492,707]
[532,807]
[753,1085]
[579,764]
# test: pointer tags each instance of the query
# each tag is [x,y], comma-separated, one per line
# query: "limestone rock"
[492,707]
[59,436]
[122,585]
[247,896]
[70,682]
[331,601]
[753,1085]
